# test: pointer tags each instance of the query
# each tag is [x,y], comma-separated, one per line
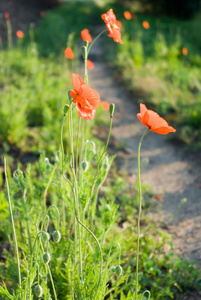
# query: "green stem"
[139,214]
[48,184]
[27,221]
[62,145]
[95,40]
[12,222]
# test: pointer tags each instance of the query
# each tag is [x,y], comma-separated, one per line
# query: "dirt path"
[168,168]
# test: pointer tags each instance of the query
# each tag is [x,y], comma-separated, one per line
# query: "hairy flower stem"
[105,30]
[76,188]
[12,222]
[139,214]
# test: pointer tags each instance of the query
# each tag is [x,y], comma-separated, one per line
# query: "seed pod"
[118,270]
[45,237]
[56,236]
[38,291]
[46,258]
[85,165]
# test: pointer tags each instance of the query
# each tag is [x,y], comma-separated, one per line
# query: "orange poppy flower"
[43,13]
[153,121]
[6,15]
[105,105]
[184,51]
[90,64]
[87,100]
[127,15]
[69,53]
[112,26]
[145,24]
[86,36]
[20,34]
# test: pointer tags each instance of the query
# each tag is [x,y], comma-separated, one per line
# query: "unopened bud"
[46,258]
[84,52]
[106,164]
[93,148]
[45,237]
[85,165]
[86,43]
[38,291]
[112,108]
[118,270]
[56,236]
[66,107]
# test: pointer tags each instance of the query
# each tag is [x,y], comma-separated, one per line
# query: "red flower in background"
[127,15]
[105,105]
[184,51]
[69,53]
[90,64]
[43,13]
[112,26]
[6,15]
[145,24]
[153,121]
[20,34]
[87,100]
[86,36]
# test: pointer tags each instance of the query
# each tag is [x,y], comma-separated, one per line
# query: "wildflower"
[86,36]
[105,105]
[153,121]
[43,13]
[20,34]
[90,64]
[69,53]
[145,24]
[112,26]
[87,100]
[127,15]
[6,15]
[184,51]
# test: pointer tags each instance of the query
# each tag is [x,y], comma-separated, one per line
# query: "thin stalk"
[139,214]
[47,187]
[27,222]
[12,222]
[62,145]
[95,40]
[9,33]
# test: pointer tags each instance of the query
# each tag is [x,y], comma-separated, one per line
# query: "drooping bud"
[46,258]
[93,148]
[106,163]
[112,108]
[66,108]
[45,237]
[56,236]
[85,165]
[84,52]
[118,270]
[38,291]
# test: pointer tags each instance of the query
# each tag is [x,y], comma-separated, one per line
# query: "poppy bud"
[38,291]
[112,108]
[118,270]
[56,236]
[45,237]
[85,166]
[106,164]
[46,258]
[86,44]
[84,52]
[93,146]
[66,107]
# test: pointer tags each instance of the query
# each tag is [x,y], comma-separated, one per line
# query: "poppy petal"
[77,81]
[164,130]
[91,95]
[85,113]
